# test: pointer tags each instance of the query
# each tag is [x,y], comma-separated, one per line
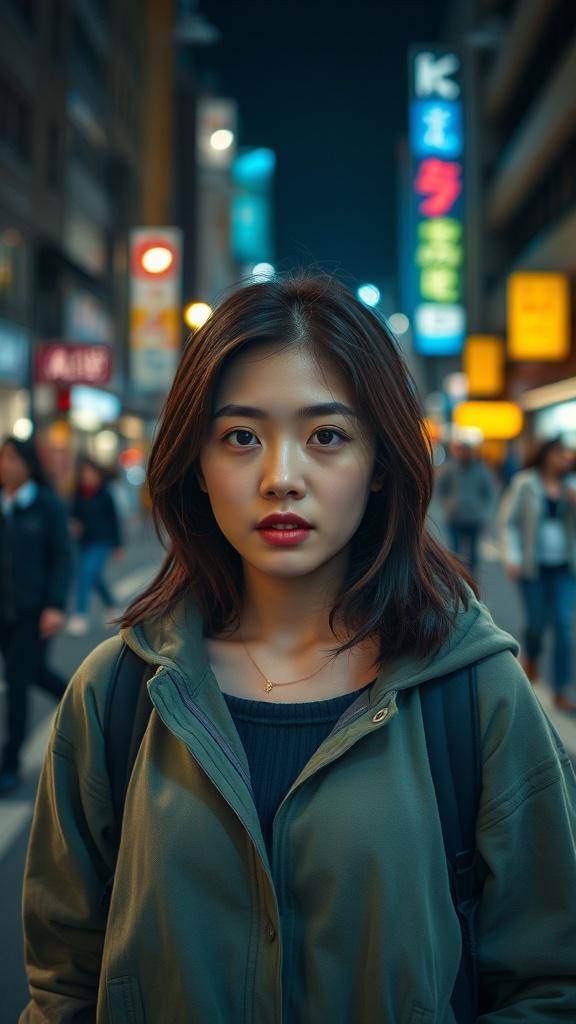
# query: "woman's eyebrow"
[306,412]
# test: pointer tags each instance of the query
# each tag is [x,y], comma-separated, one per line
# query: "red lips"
[283,518]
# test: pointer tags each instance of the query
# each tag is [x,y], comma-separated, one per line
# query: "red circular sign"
[140,248]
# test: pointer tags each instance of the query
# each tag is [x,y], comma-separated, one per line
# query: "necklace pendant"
[268,686]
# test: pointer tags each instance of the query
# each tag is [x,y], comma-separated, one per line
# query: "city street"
[129,576]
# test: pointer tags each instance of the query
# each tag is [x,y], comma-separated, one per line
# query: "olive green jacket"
[353,921]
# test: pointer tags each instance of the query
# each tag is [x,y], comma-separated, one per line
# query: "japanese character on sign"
[440,242]
[441,181]
[440,284]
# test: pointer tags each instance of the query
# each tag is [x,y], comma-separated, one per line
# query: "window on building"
[54,154]
[551,198]
[15,123]
[12,273]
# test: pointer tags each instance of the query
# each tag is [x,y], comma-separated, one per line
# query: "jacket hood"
[175,639]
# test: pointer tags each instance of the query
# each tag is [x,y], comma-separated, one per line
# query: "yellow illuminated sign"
[483,364]
[496,420]
[538,316]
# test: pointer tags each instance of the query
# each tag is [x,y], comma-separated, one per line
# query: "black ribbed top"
[279,739]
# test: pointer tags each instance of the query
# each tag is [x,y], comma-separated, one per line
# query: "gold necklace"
[270,683]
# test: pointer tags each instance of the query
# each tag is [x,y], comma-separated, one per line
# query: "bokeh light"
[196,314]
[369,294]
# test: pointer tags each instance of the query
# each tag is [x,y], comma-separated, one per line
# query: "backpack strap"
[126,715]
[452,727]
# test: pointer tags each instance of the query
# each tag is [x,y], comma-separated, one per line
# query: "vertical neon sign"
[436,199]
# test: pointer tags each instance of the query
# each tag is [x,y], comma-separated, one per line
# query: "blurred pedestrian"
[468,494]
[538,541]
[95,524]
[36,566]
[280,825]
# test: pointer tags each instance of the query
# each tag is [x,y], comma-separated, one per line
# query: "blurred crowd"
[533,510]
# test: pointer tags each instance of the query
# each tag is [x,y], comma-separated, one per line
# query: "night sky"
[324,84]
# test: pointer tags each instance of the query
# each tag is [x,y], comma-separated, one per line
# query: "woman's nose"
[282,473]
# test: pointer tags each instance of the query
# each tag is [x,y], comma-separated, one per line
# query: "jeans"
[91,563]
[24,654]
[549,600]
[464,543]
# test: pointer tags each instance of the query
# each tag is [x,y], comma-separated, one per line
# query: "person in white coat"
[538,541]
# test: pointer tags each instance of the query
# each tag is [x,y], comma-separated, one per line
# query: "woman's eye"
[327,431]
[243,434]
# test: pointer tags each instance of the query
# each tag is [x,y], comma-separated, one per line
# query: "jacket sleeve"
[509,523]
[70,857]
[59,554]
[526,924]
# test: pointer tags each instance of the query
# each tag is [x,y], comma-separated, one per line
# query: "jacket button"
[380,715]
[270,932]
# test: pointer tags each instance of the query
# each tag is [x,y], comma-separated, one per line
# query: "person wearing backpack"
[35,574]
[277,847]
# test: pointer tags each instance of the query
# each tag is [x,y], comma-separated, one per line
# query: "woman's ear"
[200,480]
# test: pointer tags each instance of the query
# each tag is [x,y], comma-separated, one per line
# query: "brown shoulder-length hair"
[402,584]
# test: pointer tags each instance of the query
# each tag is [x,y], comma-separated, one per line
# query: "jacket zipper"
[226,749]
[213,732]
[347,718]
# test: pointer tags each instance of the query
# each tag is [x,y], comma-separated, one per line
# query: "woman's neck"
[289,615]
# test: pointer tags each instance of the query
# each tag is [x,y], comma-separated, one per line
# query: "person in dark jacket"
[95,524]
[467,491]
[36,566]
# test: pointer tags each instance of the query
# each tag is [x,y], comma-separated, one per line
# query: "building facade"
[520,70]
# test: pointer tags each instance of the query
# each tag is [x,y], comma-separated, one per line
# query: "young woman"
[35,569]
[538,533]
[281,855]
[95,524]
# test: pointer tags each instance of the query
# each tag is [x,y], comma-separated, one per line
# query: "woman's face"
[318,465]
[13,470]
